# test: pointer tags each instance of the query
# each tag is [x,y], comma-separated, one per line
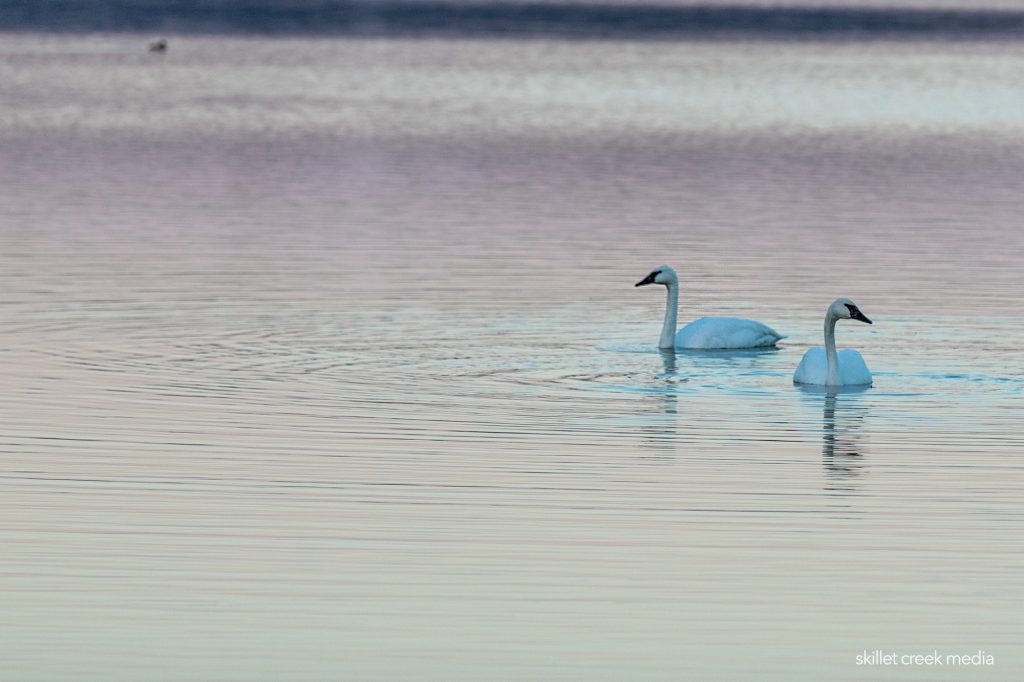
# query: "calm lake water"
[322,360]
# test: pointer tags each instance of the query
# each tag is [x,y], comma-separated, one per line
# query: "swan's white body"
[851,369]
[828,367]
[724,333]
[707,333]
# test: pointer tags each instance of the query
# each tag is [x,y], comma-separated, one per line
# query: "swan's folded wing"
[813,368]
[717,333]
[852,368]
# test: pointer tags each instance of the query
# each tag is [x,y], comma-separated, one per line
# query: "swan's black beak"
[856,314]
[649,279]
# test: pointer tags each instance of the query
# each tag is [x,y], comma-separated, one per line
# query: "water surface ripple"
[322,359]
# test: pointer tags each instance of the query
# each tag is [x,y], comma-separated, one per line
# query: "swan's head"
[660,275]
[845,309]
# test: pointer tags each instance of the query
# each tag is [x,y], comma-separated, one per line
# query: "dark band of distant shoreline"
[453,19]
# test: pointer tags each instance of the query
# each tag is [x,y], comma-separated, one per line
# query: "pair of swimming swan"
[819,366]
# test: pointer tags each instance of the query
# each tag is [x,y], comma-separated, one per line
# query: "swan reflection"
[662,433]
[842,430]
[702,367]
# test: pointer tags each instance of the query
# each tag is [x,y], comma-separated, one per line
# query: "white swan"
[826,367]
[707,333]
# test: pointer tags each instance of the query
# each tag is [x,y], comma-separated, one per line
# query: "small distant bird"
[158,46]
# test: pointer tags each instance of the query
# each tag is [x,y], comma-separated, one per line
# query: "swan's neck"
[830,350]
[668,329]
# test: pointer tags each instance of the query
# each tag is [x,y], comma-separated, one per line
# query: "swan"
[826,367]
[707,333]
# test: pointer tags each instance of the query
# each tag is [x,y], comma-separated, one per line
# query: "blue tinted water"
[322,359]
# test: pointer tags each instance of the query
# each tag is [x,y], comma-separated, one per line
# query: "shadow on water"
[842,431]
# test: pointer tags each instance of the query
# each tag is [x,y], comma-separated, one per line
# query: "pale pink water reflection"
[322,359]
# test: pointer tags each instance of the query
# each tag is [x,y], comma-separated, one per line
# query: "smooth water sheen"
[321,359]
